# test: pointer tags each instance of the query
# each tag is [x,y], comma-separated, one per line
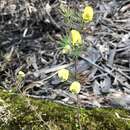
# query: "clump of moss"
[37,114]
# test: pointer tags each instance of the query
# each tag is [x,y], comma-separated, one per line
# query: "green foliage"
[65,40]
[75,50]
[71,15]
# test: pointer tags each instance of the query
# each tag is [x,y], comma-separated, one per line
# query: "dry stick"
[53,69]
[86,59]
[78,101]
[109,72]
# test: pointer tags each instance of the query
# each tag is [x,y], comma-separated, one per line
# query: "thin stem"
[78,110]
[78,101]
[75,64]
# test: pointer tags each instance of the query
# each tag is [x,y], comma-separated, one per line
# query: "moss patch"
[33,114]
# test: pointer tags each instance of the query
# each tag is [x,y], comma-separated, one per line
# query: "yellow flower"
[66,49]
[75,37]
[75,87]
[21,74]
[63,74]
[87,14]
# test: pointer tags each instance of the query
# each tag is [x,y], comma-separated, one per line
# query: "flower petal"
[63,74]
[66,49]
[75,87]
[87,14]
[75,37]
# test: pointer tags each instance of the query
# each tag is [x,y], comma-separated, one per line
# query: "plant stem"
[78,111]
[78,101]
[75,60]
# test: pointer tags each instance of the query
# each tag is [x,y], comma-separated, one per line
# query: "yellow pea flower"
[21,74]
[63,74]
[75,87]
[66,49]
[87,14]
[75,37]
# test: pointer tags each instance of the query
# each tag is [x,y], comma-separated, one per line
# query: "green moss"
[36,114]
